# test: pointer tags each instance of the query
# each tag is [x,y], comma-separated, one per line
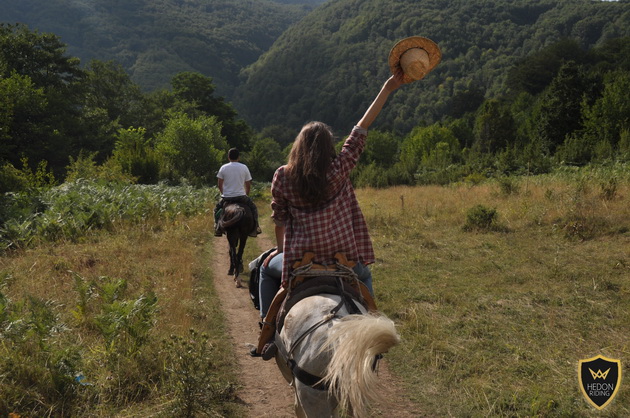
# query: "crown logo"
[599,374]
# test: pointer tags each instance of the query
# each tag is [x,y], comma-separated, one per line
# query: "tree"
[193,149]
[534,73]
[136,157]
[425,142]
[39,56]
[264,158]
[22,105]
[604,125]
[281,134]
[381,148]
[610,114]
[108,86]
[465,101]
[463,130]
[111,102]
[197,89]
[558,112]
[49,129]
[494,128]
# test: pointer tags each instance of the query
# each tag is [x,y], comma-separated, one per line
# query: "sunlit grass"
[494,323]
[171,260]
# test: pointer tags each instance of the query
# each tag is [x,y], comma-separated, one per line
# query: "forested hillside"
[309,2]
[523,88]
[156,39]
[330,65]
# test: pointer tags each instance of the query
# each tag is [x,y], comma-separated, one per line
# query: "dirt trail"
[265,392]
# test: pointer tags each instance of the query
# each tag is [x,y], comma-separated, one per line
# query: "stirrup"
[269,351]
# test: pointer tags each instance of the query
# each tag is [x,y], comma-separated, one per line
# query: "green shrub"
[475,178]
[373,175]
[135,156]
[73,209]
[442,176]
[85,168]
[508,186]
[609,188]
[16,180]
[37,364]
[481,218]
[12,179]
[191,371]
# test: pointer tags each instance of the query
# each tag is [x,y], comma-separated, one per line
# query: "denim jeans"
[269,283]
[271,278]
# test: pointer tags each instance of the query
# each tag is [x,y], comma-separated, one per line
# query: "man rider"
[234,182]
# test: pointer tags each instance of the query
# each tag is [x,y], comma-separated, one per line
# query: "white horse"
[329,356]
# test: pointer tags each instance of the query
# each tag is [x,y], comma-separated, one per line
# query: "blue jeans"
[271,279]
[269,283]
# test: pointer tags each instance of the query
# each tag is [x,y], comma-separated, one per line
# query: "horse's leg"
[313,402]
[238,259]
[234,263]
[299,411]
[241,250]
[232,252]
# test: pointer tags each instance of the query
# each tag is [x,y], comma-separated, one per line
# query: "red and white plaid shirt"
[338,226]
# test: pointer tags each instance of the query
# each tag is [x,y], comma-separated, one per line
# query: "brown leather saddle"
[320,279]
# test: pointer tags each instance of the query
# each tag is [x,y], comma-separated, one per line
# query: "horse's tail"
[231,215]
[354,342]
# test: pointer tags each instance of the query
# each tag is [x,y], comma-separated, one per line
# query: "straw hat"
[416,55]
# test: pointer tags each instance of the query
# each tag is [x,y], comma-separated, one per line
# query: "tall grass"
[72,210]
[494,321]
[123,321]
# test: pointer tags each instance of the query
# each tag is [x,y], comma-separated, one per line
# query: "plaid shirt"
[338,226]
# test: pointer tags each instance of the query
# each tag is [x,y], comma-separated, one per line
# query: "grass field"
[498,290]
[133,313]
[495,318]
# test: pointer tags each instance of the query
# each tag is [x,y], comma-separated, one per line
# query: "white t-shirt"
[234,175]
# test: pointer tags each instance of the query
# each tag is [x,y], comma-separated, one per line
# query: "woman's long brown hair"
[309,160]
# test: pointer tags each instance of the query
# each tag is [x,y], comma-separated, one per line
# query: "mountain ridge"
[330,65]
[154,40]
[290,61]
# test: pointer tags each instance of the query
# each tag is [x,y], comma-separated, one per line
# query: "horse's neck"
[303,316]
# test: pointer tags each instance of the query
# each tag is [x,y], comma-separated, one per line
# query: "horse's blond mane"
[353,343]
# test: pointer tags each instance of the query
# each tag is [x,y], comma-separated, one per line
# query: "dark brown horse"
[238,222]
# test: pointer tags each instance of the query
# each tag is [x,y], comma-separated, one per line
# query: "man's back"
[234,175]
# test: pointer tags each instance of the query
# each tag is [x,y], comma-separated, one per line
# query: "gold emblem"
[599,378]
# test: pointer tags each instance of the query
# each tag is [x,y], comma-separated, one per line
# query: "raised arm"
[390,85]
